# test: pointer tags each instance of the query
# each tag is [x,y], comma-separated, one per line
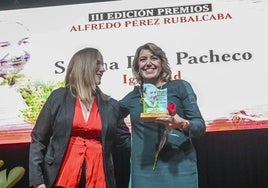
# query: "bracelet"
[186,125]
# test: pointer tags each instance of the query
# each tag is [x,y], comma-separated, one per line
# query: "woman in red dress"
[77,129]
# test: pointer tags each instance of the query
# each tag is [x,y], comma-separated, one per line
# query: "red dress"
[85,144]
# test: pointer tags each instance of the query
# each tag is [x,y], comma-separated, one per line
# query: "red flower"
[171,109]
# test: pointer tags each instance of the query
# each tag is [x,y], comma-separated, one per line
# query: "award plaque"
[154,103]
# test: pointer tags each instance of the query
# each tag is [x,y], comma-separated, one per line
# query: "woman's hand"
[174,122]
[40,186]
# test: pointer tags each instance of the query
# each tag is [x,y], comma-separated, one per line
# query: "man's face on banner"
[14,41]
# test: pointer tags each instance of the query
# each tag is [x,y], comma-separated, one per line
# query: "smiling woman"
[82,125]
[176,161]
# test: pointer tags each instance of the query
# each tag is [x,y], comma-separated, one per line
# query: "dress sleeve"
[192,112]
[124,105]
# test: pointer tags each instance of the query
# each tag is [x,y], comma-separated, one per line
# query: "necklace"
[86,106]
[161,86]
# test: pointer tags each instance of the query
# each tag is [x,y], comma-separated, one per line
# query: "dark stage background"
[231,159]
